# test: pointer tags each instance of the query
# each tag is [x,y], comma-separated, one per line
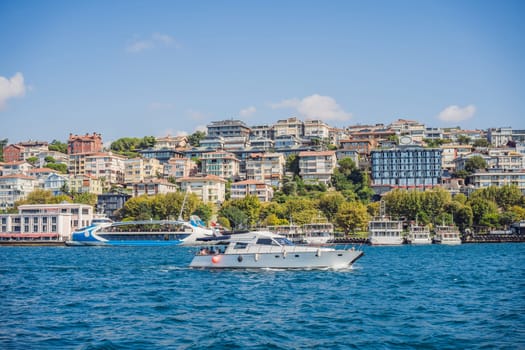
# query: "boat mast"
[184,202]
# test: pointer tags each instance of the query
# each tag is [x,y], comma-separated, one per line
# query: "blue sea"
[428,297]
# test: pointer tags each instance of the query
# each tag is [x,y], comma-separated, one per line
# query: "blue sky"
[137,68]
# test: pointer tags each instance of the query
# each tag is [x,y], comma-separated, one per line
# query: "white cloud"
[10,88]
[203,128]
[315,107]
[248,111]
[456,114]
[137,45]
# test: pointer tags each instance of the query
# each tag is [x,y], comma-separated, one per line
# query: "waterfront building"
[266,167]
[14,188]
[19,167]
[84,143]
[45,221]
[109,203]
[139,169]
[84,183]
[317,166]
[152,187]
[179,167]
[222,164]
[289,127]
[228,128]
[316,129]
[209,188]
[106,166]
[406,167]
[257,188]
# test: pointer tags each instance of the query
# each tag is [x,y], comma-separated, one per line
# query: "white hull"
[386,240]
[449,242]
[292,259]
[421,241]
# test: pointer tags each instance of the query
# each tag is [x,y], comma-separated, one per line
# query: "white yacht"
[263,249]
[419,235]
[449,235]
[385,231]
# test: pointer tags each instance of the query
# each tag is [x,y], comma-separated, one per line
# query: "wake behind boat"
[141,233]
[262,249]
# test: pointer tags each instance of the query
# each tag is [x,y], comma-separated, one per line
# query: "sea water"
[407,297]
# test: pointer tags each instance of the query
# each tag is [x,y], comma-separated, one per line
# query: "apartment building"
[171,142]
[107,166]
[17,167]
[228,128]
[139,169]
[209,188]
[85,183]
[498,177]
[316,129]
[260,189]
[152,187]
[289,127]
[266,167]
[317,166]
[450,152]
[14,188]
[219,163]
[409,166]
[84,143]
[179,167]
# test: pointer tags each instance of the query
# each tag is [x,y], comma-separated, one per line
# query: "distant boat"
[141,233]
[263,249]
[318,233]
[385,231]
[447,234]
[418,234]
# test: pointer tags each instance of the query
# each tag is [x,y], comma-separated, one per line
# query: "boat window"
[265,241]
[240,245]
[283,241]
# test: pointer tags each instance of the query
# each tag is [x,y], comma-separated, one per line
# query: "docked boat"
[419,235]
[263,249]
[141,233]
[318,233]
[446,234]
[385,231]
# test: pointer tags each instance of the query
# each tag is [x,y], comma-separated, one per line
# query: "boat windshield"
[283,241]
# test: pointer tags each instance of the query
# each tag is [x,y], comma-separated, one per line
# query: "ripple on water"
[432,297]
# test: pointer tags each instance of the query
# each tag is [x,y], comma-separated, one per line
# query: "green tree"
[60,167]
[58,146]
[292,164]
[463,139]
[235,216]
[484,211]
[195,138]
[32,160]
[85,198]
[481,143]
[204,211]
[352,216]
[475,163]
[3,143]
[329,204]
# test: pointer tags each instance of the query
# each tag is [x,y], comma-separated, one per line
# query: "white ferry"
[385,231]
[419,235]
[446,234]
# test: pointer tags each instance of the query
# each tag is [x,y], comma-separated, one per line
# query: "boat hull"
[279,260]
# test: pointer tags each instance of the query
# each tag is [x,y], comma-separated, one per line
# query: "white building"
[317,166]
[14,188]
[222,164]
[256,188]
[316,129]
[267,167]
[106,165]
[139,169]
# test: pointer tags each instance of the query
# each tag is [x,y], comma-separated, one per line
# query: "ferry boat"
[446,234]
[419,235]
[141,233]
[385,231]
[263,249]
[318,233]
